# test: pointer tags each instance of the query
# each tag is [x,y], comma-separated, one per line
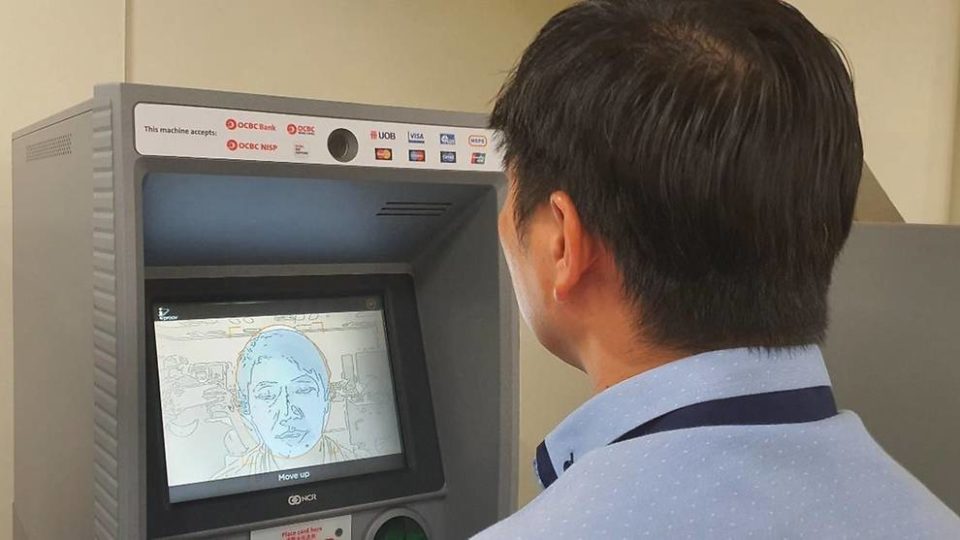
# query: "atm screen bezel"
[423,472]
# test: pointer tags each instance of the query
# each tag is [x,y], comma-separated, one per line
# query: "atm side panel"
[53,360]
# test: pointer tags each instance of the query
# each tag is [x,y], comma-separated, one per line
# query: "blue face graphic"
[287,394]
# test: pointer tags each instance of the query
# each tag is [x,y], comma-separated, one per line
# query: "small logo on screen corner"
[163,314]
[294,500]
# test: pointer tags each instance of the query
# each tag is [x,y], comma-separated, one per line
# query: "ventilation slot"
[414,209]
[57,146]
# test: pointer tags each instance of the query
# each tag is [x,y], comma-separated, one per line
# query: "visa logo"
[416,137]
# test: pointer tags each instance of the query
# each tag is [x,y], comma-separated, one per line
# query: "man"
[283,388]
[682,177]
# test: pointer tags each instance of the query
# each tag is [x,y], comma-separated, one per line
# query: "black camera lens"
[342,144]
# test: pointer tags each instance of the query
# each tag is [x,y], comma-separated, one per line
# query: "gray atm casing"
[83,248]
[893,346]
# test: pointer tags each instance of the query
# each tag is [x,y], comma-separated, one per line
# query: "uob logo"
[382,135]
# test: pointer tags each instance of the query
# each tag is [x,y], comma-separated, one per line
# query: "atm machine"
[252,317]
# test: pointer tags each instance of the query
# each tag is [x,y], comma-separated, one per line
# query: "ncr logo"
[295,500]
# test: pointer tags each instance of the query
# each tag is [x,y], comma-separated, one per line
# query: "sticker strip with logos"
[203,132]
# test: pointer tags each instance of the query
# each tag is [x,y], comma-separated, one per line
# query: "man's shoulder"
[824,480]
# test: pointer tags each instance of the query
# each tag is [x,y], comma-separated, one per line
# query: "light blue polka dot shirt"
[821,479]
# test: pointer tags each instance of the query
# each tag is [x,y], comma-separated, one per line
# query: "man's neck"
[607,364]
[603,340]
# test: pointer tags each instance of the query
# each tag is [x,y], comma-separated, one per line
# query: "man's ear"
[573,250]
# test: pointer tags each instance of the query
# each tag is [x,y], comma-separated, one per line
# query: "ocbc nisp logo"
[294,500]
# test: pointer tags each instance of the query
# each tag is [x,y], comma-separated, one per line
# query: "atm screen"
[259,395]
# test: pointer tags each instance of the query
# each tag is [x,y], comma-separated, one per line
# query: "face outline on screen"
[283,390]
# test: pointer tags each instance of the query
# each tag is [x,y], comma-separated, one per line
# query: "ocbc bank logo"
[294,500]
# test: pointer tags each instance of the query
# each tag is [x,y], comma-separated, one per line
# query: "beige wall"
[436,54]
[51,54]
[905,58]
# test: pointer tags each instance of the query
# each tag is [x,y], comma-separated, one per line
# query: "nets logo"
[417,155]
[383,154]
[416,137]
[477,140]
[448,157]
[295,500]
[382,135]
[299,129]
[163,314]
[448,138]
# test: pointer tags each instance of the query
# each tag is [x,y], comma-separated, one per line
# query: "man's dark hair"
[713,145]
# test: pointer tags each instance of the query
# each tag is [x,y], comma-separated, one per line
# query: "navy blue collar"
[703,378]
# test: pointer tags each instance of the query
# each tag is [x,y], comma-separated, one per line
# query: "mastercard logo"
[383,154]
